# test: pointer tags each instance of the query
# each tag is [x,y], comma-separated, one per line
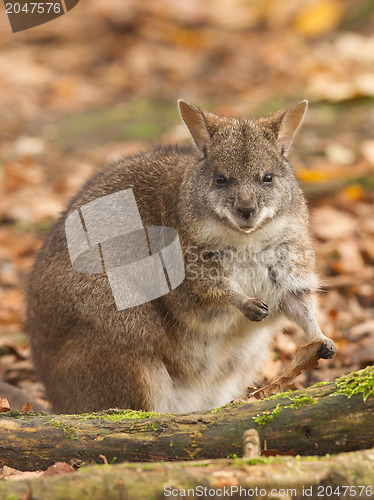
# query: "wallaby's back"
[75,329]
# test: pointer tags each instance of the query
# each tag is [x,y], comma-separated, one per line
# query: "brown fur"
[91,356]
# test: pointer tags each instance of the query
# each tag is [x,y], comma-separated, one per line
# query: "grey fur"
[202,344]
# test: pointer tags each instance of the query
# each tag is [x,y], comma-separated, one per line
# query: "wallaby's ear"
[290,123]
[194,118]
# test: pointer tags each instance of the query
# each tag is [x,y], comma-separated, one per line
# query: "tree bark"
[330,425]
[345,476]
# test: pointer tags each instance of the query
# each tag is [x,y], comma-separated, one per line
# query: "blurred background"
[103,80]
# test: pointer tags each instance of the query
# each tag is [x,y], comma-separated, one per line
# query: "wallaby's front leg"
[300,309]
[253,309]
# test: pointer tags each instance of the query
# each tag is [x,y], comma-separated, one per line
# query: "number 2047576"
[345,491]
[33,8]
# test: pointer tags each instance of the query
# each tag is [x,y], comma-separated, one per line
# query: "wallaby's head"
[243,178]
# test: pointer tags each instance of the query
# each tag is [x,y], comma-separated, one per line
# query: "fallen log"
[344,476]
[322,419]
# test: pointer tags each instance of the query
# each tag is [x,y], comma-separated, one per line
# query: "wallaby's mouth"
[246,229]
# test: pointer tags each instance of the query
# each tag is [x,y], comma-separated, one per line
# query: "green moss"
[232,455]
[228,405]
[280,395]
[300,401]
[361,382]
[86,416]
[320,384]
[260,461]
[267,417]
[130,415]
[201,464]
[151,427]
[279,459]
[120,415]
[18,414]
[287,394]
[68,429]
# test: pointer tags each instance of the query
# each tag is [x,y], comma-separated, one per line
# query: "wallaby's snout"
[246,209]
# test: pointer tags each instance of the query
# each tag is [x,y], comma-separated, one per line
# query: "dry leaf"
[27,407]
[274,453]
[329,223]
[318,17]
[104,459]
[58,468]
[350,259]
[354,192]
[367,149]
[22,476]
[306,358]
[8,471]
[4,405]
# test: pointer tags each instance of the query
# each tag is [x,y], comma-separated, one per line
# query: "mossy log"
[323,419]
[344,476]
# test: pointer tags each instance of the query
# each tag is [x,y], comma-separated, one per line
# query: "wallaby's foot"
[255,310]
[327,349]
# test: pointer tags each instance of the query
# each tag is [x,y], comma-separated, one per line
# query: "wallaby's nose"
[246,209]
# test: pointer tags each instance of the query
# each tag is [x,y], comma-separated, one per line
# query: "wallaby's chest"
[264,273]
[220,345]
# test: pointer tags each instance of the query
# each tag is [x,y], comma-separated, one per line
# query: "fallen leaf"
[367,149]
[274,453]
[104,459]
[306,358]
[27,407]
[4,405]
[14,474]
[58,468]
[22,476]
[339,155]
[361,330]
[330,223]
[8,471]
[353,192]
[350,259]
[318,17]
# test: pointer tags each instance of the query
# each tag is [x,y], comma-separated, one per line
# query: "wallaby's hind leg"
[102,376]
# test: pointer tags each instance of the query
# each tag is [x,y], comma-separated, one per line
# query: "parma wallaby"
[243,227]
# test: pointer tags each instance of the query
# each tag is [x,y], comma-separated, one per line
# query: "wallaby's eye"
[220,180]
[268,179]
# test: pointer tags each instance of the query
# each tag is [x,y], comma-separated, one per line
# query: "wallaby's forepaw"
[255,310]
[327,349]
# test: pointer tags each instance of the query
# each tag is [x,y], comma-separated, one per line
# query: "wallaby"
[243,227]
